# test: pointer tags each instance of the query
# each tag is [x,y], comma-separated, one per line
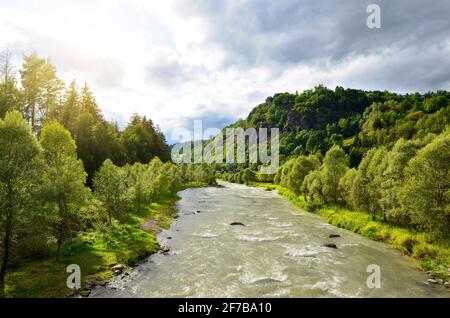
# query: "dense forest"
[384,153]
[66,171]
[36,92]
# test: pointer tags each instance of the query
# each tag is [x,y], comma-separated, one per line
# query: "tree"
[111,189]
[335,165]
[69,113]
[20,164]
[425,195]
[372,168]
[248,176]
[139,184]
[143,141]
[300,169]
[64,182]
[393,177]
[353,190]
[173,174]
[10,95]
[40,87]
[312,185]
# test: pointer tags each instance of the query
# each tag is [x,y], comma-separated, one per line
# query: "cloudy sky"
[177,61]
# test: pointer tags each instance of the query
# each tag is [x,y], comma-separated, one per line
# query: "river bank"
[101,253]
[238,241]
[434,256]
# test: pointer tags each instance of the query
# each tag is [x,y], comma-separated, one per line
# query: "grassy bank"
[128,242]
[433,255]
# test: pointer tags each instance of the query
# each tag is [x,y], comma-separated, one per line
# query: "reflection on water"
[278,253]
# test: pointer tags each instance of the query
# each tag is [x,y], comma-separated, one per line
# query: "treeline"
[379,152]
[315,120]
[407,186]
[37,92]
[43,197]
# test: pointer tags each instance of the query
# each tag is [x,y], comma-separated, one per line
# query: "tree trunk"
[33,116]
[7,241]
[60,230]
[6,252]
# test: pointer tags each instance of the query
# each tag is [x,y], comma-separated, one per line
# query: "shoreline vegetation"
[97,252]
[433,255]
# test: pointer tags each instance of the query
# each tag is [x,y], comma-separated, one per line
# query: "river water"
[278,253]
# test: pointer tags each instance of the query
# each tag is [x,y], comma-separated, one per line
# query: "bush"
[403,240]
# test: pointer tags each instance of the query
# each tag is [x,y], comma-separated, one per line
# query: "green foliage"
[143,142]
[300,169]
[64,179]
[425,194]
[20,165]
[110,187]
[335,165]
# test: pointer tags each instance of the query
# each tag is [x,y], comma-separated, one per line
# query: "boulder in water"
[237,224]
[85,293]
[118,267]
[330,245]
[334,235]
[164,250]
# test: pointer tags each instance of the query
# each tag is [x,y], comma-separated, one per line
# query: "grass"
[433,255]
[127,243]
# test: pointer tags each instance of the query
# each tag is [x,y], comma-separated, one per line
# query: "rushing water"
[279,253]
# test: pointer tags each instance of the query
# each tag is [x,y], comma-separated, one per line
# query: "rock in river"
[334,235]
[330,245]
[237,224]
[118,267]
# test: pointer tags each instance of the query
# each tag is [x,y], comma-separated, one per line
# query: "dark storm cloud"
[321,34]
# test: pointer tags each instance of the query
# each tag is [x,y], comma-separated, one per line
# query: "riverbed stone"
[330,245]
[237,224]
[164,249]
[118,267]
[85,293]
[334,236]
[432,281]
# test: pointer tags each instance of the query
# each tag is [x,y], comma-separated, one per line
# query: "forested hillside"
[379,153]
[35,90]
[315,120]
[74,189]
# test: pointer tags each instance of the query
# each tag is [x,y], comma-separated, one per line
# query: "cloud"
[168,71]
[180,60]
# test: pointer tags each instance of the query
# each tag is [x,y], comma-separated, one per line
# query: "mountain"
[357,120]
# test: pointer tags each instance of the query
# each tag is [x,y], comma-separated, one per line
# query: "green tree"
[300,169]
[20,164]
[110,187]
[139,184]
[353,190]
[335,165]
[40,87]
[393,177]
[248,176]
[312,185]
[143,141]
[64,182]
[425,195]
[10,95]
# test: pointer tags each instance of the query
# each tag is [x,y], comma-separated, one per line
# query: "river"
[278,253]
